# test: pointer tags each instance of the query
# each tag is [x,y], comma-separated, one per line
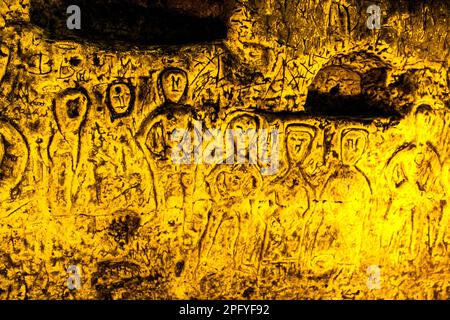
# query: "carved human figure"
[232,188]
[293,195]
[294,192]
[412,173]
[154,136]
[339,224]
[196,205]
[14,153]
[442,241]
[252,235]
[115,159]
[251,222]
[70,108]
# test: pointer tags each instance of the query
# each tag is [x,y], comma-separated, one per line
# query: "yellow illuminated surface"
[359,206]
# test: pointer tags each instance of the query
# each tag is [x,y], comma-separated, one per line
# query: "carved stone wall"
[357,208]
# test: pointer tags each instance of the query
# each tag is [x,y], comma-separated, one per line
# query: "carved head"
[240,126]
[70,108]
[187,178]
[299,139]
[120,99]
[423,116]
[244,123]
[174,84]
[353,145]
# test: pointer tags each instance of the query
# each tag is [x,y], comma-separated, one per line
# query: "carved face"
[187,180]
[240,125]
[174,84]
[120,98]
[353,144]
[244,123]
[298,142]
[423,117]
[71,109]
[233,181]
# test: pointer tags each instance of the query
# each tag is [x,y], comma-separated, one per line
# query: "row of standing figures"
[288,217]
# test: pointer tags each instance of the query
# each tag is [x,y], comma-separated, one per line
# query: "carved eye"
[135,22]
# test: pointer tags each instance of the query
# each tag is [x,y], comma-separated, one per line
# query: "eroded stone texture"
[358,208]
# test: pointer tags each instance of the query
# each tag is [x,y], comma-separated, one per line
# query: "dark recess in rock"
[114,23]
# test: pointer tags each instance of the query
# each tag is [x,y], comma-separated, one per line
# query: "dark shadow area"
[134,22]
[338,91]
[352,86]
[416,6]
[335,105]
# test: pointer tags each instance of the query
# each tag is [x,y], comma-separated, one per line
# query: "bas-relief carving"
[87,178]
